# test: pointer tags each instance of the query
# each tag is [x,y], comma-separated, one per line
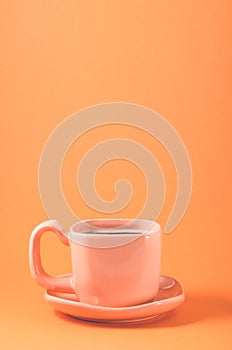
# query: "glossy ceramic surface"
[169,297]
[115,262]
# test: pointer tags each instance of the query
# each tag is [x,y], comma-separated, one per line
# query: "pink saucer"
[169,297]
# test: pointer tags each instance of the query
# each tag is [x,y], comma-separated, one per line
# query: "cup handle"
[60,284]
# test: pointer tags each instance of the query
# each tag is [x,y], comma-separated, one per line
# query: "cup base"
[169,297]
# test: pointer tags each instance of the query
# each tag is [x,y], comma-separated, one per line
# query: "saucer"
[169,297]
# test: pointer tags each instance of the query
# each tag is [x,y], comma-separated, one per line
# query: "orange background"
[173,57]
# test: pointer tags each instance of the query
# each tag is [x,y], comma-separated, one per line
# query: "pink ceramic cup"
[115,262]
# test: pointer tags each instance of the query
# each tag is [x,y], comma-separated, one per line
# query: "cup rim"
[150,224]
[103,239]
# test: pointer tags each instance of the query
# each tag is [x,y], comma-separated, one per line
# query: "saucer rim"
[177,299]
[120,321]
